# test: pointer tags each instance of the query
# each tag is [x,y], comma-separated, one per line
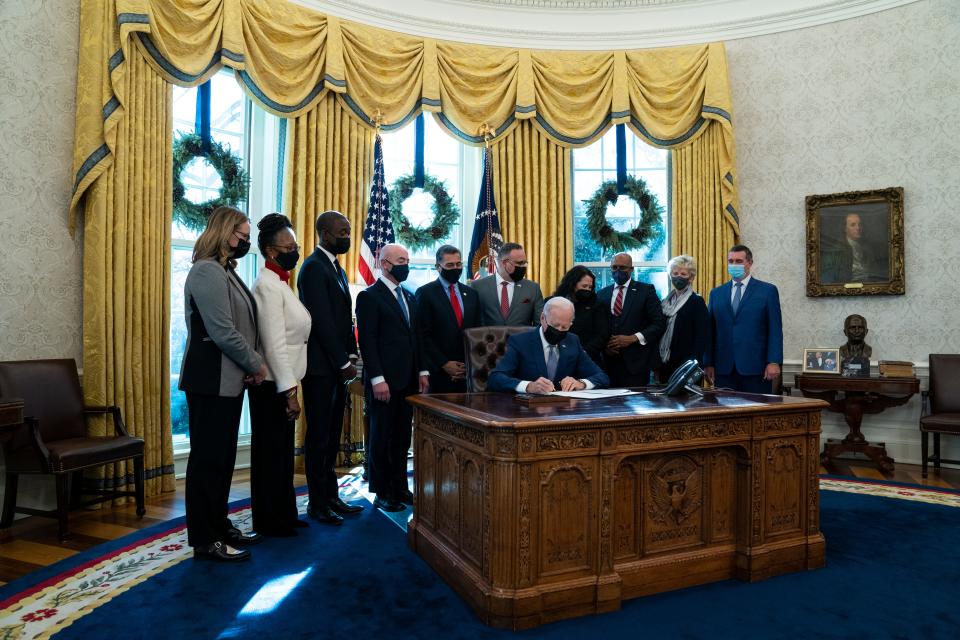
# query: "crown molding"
[586,24]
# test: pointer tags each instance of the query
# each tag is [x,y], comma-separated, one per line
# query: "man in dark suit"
[636,323]
[446,307]
[387,321]
[547,359]
[507,298]
[331,357]
[746,346]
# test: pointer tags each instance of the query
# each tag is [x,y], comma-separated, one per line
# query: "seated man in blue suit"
[547,359]
[746,331]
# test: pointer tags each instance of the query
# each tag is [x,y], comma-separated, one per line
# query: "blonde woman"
[221,358]
[687,332]
[274,407]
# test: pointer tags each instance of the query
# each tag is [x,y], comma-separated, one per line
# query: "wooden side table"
[854,397]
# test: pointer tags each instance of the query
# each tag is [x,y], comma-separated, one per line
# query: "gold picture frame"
[821,360]
[855,243]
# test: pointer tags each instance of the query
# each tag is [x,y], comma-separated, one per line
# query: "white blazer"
[284,329]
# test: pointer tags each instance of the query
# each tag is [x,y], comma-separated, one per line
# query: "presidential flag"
[486,241]
[378,229]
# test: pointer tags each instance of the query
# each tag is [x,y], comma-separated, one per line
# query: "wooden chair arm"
[118,427]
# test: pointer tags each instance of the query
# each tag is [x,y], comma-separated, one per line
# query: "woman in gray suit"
[221,357]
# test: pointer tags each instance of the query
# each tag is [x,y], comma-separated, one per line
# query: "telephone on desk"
[685,378]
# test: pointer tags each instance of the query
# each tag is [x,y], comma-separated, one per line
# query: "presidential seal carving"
[675,492]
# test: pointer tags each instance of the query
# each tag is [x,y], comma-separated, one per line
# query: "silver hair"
[555,302]
[683,262]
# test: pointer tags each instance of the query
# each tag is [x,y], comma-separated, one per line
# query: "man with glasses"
[446,308]
[636,323]
[508,298]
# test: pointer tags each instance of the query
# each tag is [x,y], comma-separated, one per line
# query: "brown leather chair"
[941,406]
[484,347]
[54,440]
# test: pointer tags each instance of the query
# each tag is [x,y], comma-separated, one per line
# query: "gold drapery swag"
[289,58]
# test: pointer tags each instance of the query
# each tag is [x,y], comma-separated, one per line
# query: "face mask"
[400,272]
[241,249]
[736,271]
[621,277]
[340,245]
[518,274]
[680,282]
[289,260]
[553,335]
[451,275]
[585,296]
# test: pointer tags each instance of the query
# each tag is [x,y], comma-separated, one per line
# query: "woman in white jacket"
[284,329]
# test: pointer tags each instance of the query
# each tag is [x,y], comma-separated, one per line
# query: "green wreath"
[445,213]
[648,231]
[228,166]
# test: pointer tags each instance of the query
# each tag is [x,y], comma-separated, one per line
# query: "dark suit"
[324,293]
[524,360]
[390,347]
[525,306]
[591,323]
[691,336]
[742,344]
[442,337]
[641,313]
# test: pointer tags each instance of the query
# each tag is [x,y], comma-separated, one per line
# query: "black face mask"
[289,260]
[339,245]
[620,277]
[243,246]
[553,335]
[400,272]
[451,275]
[679,282]
[518,274]
[585,296]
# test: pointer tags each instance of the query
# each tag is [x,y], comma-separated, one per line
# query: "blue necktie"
[553,358]
[403,305]
[342,277]
[736,296]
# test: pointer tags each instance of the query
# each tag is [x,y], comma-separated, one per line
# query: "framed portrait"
[855,243]
[821,360]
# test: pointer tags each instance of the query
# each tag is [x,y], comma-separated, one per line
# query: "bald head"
[391,257]
[333,232]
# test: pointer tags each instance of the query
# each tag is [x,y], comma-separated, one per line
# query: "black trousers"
[440,382]
[324,399]
[214,424]
[273,500]
[739,382]
[391,424]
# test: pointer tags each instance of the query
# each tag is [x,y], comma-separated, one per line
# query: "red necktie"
[457,311]
[618,303]
[504,301]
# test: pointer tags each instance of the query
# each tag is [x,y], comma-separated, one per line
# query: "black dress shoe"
[219,552]
[343,508]
[237,537]
[386,504]
[325,515]
[406,497]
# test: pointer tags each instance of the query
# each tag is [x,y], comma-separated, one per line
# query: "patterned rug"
[43,603]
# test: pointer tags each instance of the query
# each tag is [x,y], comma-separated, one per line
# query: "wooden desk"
[537,513]
[859,396]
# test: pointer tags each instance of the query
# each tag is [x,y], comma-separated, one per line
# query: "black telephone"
[685,377]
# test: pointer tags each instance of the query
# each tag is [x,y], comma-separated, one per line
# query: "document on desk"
[593,394]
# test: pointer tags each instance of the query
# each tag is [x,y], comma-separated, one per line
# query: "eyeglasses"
[287,248]
[242,236]
[518,264]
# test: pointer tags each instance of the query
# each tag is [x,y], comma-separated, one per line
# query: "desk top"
[502,410]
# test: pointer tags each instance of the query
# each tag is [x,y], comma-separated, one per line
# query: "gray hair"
[557,302]
[683,262]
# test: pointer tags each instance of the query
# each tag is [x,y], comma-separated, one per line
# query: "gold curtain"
[331,167]
[702,227]
[126,280]
[532,191]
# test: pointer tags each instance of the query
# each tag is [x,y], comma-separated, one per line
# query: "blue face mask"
[736,271]
[620,277]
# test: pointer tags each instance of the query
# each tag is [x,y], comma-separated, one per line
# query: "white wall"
[860,104]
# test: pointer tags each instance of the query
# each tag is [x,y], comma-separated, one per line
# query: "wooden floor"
[31,543]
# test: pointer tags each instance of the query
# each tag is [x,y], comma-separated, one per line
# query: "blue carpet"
[892,571]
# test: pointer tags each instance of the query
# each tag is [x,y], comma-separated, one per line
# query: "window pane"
[439,146]
[227,104]
[180,266]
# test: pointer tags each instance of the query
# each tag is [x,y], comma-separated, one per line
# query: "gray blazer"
[525,307]
[223,340]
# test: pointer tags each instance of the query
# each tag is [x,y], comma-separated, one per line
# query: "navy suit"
[442,337]
[524,360]
[641,313]
[744,343]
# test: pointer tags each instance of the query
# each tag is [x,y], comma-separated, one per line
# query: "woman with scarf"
[688,326]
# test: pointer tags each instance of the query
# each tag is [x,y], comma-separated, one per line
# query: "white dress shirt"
[613,303]
[522,386]
[284,328]
[393,291]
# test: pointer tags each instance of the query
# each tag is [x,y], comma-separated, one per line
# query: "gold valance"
[288,58]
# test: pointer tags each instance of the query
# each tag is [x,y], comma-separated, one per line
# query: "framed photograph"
[821,360]
[855,243]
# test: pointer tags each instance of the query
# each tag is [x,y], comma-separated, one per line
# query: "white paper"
[591,394]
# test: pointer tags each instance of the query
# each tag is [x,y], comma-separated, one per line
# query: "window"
[447,159]
[236,122]
[596,164]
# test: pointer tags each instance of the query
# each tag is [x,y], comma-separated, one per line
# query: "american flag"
[378,229]
[487,239]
